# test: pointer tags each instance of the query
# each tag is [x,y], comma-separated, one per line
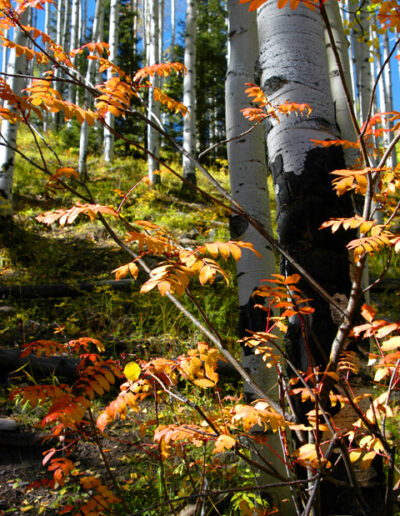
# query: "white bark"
[84,134]
[47,16]
[173,18]
[295,78]
[248,179]
[59,41]
[342,112]
[189,90]
[153,136]
[8,132]
[388,94]
[110,118]
[146,29]
[74,42]
[294,68]
[361,61]
[160,31]
[66,39]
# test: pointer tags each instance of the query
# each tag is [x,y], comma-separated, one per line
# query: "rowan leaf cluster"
[191,415]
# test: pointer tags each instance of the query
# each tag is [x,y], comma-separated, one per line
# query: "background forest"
[199,237]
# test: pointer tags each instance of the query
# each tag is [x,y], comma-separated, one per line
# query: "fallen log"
[60,366]
[65,367]
[61,289]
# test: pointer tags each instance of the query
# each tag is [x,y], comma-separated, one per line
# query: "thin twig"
[105,460]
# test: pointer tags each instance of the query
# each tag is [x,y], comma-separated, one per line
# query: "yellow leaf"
[204,383]
[26,508]
[132,371]
[224,442]
[367,459]
[381,373]
[355,455]
[391,344]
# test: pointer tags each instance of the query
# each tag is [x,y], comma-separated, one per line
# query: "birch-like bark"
[84,134]
[66,37]
[47,19]
[153,136]
[8,132]
[361,61]
[160,31]
[59,41]
[110,118]
[173,29]
[74,43]
[248,180]
[342,113]
[4,60]
[388,94]
[189,90]
[294,68]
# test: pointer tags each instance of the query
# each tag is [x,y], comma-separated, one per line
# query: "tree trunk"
[110,118]
[361,60]
[388,95]
[342,113]
[74,43]
[17,69]
[59,40]
[189,91]
[248,179]
[294,68]
[173,29]
[84,132]
[153,136]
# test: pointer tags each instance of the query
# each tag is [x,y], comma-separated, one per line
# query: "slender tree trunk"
[153,136]
[189,90]
[47,19]
[361,59]
[173,18]
[342,113]
[66,37]
[248,179]
[110,118]
[84,133]
[59,40]
[74,43]
[8,132]
[388,94]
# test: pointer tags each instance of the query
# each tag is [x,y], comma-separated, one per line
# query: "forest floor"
[128,323]
[131,325]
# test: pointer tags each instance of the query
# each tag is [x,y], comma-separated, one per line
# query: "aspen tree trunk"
[59,41]
[173,28]
[110,118]
[84,133]
[74,43]
[146,29]
[135,8]
[153,136]
[47,16]
[294,68]
[388,93]
[248,179]
[361,61]
[83,22]
[160,31]
[345,15]
[189,91]
[8,132]
[342,113]
[66,37]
